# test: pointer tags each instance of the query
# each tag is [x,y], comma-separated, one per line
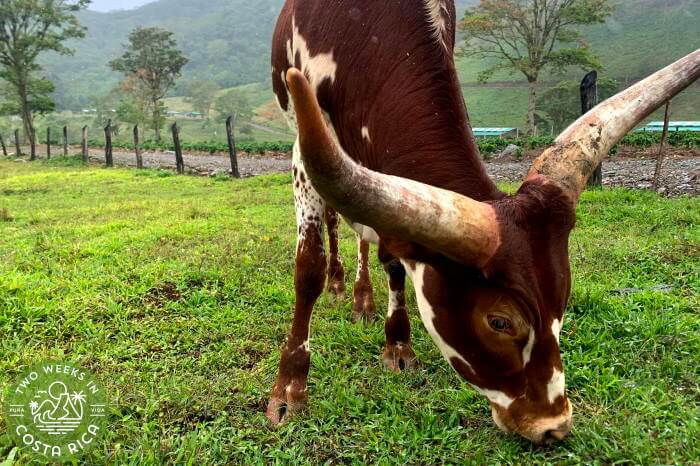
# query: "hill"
[228,41]
[113,5]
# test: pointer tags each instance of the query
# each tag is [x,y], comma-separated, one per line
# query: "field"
[177,292]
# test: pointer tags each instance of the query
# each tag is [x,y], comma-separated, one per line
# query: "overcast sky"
[109,5]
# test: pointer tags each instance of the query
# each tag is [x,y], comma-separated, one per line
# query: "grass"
[177,292]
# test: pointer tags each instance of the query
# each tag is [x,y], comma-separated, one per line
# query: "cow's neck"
[418,129]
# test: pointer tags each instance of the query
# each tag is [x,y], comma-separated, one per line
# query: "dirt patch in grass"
[162,294]
[5,215]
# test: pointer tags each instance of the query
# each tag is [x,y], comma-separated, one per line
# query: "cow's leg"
[336,273]
[363,308]
[289,393]
[398,352]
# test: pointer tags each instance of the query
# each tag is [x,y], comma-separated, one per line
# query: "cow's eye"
[500,324]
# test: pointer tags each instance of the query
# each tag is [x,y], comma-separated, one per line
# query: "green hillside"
[228,41]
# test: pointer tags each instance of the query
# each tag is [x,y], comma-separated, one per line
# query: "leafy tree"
[152,63]
[27,29]
[529,36]
[561,105]
[234,103]
[202,94]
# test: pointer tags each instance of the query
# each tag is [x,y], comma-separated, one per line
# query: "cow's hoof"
[281,408]
[399,357]
[363,308]
[336,290]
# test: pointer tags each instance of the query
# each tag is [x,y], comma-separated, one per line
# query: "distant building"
[494,132]
[658,126]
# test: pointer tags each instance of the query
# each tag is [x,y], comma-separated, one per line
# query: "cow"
[384,141]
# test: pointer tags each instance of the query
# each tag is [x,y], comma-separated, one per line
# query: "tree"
[152,63]
[234,103]
[561,105]
[27,29]
[529,36]
[202,95]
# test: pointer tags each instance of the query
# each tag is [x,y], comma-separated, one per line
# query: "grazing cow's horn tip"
[294,76]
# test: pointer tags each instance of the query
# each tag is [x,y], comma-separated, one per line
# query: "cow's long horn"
[458,227]
[580,148]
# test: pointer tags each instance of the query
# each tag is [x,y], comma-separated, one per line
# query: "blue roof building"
[658,126]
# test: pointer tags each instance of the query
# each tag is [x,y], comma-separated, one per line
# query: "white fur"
[365,232]
[556,329]
[436,10]
[317,68]
[556,385]
[527,351]
[310,207]
[393,302]
[428,317]
[365,134]
[360,259]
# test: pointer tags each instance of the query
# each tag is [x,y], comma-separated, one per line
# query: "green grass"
[177,292]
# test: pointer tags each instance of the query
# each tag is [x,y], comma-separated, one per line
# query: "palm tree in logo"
[61,406]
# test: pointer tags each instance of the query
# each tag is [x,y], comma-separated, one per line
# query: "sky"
[109,5]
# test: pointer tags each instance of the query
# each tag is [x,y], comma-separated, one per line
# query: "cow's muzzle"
[539,430]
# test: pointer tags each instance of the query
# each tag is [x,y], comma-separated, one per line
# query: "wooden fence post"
[84,145]
[108,144]
[48,143]
[65,141]
[137,148]
[179,162]
[589,99]
[2,143]
[18,149]
[232,148]
[660,157]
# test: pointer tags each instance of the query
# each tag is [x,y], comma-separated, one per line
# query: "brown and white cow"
[384,140]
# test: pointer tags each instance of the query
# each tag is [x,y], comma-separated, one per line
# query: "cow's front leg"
[289,393]
[398,352]
[336,273]
[363,308]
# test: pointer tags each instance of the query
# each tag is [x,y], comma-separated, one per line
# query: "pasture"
[177,293]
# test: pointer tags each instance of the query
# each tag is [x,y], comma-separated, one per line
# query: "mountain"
[113,5]
[228,41]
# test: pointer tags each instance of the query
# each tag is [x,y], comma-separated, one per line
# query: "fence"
[137,145]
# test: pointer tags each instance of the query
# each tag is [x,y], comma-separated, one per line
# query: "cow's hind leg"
[336,273]
[398,352]
[363,308]
[289,393]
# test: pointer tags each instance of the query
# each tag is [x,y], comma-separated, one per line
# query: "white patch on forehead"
[495,397]
[317,68]
[556,329]
[365,134]
[556,385]
[436,11]
[527,351]
[427,315]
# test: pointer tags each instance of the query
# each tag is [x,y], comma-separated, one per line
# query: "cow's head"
[492,278]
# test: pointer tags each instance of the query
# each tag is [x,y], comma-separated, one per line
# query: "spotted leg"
[336,273]
[398,352]
[289,393]
[363,308]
